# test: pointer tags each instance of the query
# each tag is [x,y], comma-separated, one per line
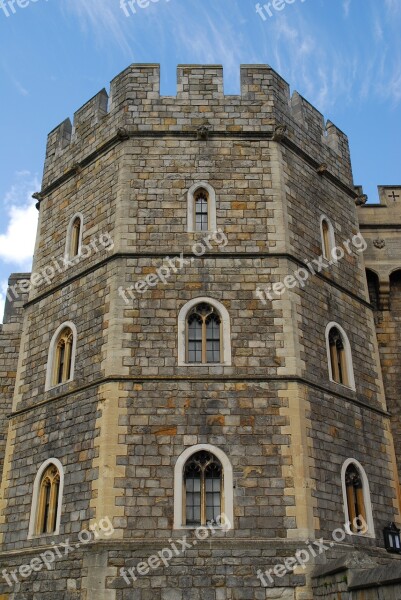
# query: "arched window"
[60,364]
[373,288]
[357,505]
[204,333]
[201,199]
[395,291]
[47,499]
[74,237]
[339,356]
[201,208]
[328,240]
[203,488]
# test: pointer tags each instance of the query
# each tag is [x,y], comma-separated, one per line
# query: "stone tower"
[268,408]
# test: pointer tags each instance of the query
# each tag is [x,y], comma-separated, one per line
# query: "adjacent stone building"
[199,395]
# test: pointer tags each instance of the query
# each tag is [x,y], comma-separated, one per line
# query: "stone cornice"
[346,396]
[219,255]
[122,135]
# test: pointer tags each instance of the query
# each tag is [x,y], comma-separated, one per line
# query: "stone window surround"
[348,356]
[52,355]
[35,497]
[227,491]
[225,332]
[191,217]
[366,497]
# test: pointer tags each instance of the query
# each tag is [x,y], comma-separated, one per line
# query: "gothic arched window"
[357,503]
[202,488]
[339,356]
[48,501]
[201,199]
[63,357]
[61,360]
[203,334]
[201,208]
[355,499]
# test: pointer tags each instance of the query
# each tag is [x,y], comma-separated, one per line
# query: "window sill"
[367,535]
[346,387]
[58,385]
[195,527]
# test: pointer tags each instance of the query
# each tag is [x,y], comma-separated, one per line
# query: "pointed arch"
[61,358]
[201,208]
[356,499]
[73,241]
[226,491]
[207,335]
[327,237]
[339,356]
[47,499]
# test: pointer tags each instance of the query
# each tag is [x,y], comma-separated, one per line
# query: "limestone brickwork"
[126,164]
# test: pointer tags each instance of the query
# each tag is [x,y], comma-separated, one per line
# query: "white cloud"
[18,240]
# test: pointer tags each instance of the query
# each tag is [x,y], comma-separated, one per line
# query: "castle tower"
[198,402]
[380,225]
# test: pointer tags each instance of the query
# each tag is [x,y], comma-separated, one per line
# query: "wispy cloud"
[346,7]
[100,17]
[327,65]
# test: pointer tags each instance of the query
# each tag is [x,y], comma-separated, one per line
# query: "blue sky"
[344,56]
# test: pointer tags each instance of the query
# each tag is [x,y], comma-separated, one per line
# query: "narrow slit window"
[326,239]
[75,241]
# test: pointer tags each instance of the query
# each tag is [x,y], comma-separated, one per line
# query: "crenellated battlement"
[135,105]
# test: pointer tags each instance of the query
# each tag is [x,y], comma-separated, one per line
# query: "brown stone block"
[247,421]
[166,431]
[215,420]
